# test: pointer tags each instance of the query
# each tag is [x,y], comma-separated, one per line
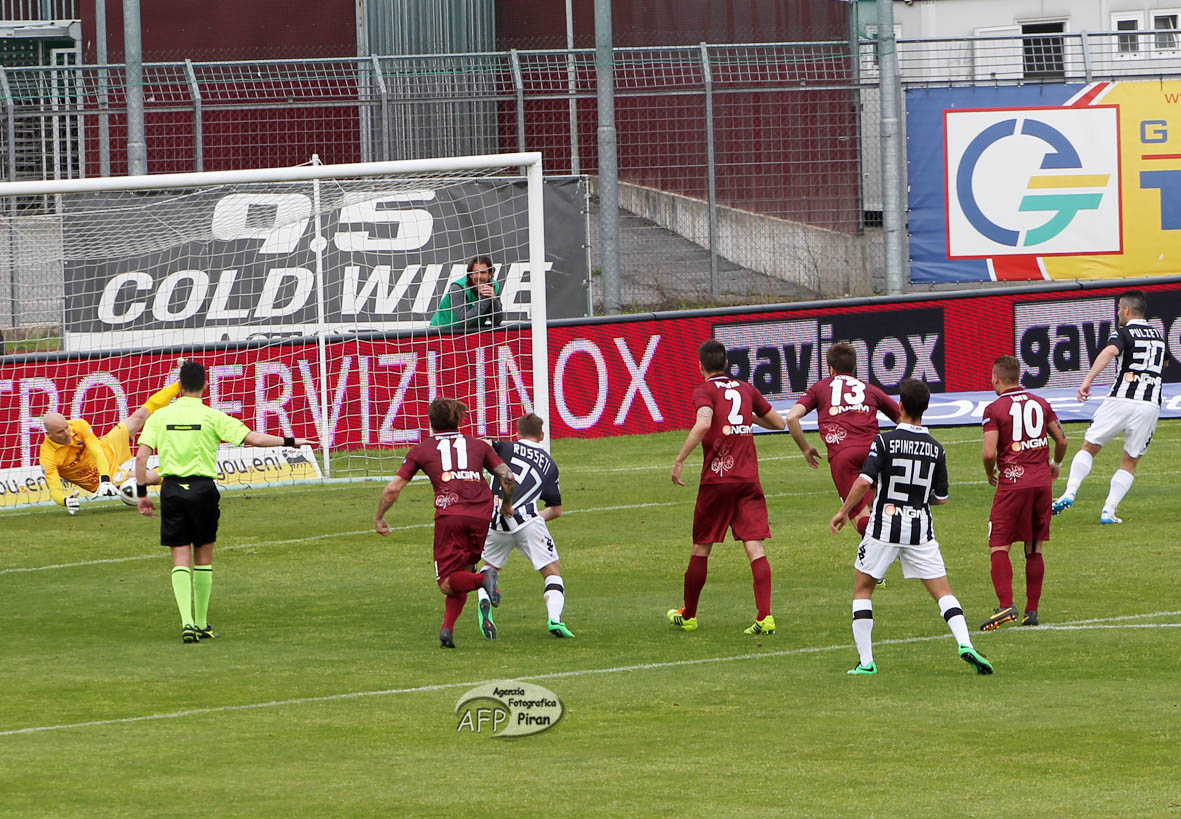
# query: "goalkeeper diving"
[72,452]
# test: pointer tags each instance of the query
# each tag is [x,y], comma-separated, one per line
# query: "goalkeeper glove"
[73,504]
[106,489]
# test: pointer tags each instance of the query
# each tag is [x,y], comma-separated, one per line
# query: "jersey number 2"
[735,416]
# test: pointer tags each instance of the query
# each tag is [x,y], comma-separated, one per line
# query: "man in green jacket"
[471,303]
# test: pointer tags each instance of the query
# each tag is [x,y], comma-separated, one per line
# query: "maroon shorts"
[845,468]
[1020,515]
[459,540]
[741,507]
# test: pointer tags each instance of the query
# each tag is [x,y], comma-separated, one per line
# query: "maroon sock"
[464,582]
[452,608]
[1035,570]
[1002,578]
[761,571]
[694,583]
[862,524]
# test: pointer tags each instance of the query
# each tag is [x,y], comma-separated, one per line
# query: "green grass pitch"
[329,696]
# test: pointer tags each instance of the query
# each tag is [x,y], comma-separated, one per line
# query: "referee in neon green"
[186,434]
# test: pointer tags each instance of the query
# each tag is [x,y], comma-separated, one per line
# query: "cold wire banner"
[235,264]
[1044,181]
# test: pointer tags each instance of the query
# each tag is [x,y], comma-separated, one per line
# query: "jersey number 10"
[1028,420]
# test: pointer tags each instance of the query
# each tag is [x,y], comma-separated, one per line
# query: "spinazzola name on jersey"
[908,446]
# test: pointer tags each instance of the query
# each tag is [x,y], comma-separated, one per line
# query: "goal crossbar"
[296,173]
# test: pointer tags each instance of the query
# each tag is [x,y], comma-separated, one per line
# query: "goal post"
[310,293]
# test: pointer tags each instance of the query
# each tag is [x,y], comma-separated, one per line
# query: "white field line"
[261,543]
[586,672]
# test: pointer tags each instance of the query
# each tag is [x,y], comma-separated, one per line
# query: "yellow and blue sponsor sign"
[1044,182]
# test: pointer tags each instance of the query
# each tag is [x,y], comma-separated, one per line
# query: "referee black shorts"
[189,511]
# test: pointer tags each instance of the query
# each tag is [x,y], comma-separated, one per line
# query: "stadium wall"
[618,376]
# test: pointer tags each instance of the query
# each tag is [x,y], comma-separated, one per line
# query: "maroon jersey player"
[847,417]
[455,463]
[1017,429]
[730,496]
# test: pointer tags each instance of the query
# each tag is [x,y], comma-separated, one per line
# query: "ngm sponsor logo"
[1033,181]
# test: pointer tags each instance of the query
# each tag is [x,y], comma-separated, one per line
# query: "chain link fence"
[740,165]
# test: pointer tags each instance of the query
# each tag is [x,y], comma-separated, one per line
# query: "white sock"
[949,607]
[1080,468]
[1121,482]
[863,629]
[554,596]
[482,595]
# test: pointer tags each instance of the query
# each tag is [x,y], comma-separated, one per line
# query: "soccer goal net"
[326,301]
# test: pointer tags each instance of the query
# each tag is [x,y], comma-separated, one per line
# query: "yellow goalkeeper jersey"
[84,459]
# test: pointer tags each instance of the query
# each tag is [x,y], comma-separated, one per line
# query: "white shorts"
[1135,419]
[875,556]
[532,540]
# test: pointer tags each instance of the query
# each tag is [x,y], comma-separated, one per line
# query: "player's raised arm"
[794,416]
[697,433]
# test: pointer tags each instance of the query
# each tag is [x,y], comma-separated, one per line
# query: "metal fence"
[755,164]
[765,137]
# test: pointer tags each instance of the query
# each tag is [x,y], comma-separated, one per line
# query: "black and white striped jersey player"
[1131,407]
[527,530]
[909,468]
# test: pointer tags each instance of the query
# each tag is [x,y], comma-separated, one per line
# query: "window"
[1127,45]
[1043,53]
[1164,23]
